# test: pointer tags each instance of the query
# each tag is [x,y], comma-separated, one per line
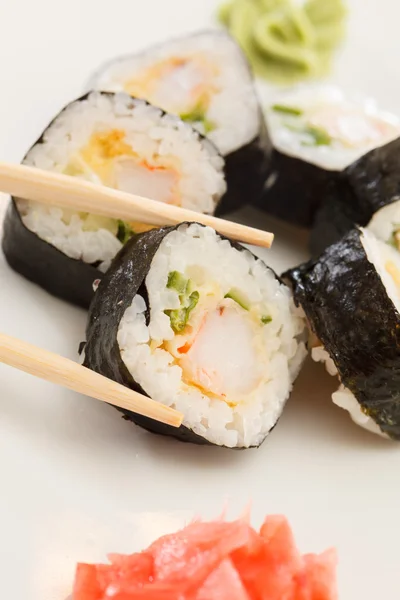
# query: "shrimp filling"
[113,162]
[182,85]
[224,356]
[217,336]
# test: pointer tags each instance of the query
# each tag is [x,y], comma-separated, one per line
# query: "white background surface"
[76,480]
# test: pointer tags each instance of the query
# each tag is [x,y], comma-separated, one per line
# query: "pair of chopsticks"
[54,189]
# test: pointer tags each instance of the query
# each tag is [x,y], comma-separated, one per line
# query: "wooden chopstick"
[55,189]
[57,369]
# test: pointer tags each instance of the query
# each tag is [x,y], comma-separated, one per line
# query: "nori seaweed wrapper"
[368,184]
[246,171]
[295,189]
[126,278]
[350,312]
[44,264]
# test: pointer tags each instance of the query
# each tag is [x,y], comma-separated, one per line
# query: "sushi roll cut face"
[203,78]
[126,144]
[211,332]
[316,133]
[320,125]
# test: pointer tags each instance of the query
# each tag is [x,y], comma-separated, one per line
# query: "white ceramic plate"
[78,481]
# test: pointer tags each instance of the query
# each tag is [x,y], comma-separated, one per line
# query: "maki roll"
[200,324]
[351,298]
[317,132]
[366,186]
[120,142]
[206,80]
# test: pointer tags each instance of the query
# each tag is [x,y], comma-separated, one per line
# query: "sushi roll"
[366,186]
[200,324]
[317,132]
[206,80]
[351,298]
[117,141]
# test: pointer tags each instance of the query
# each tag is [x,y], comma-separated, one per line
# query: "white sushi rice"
[152,136]
[343,397]
[378,253]
[198,249]
[354,124]
[234,106]
[346,400]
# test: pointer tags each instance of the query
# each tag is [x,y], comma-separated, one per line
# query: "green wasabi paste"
[286,40]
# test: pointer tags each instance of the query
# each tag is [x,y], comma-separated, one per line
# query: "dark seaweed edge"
[296,189]
[246,171]
[126,278]
[45,265]
[350,312]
